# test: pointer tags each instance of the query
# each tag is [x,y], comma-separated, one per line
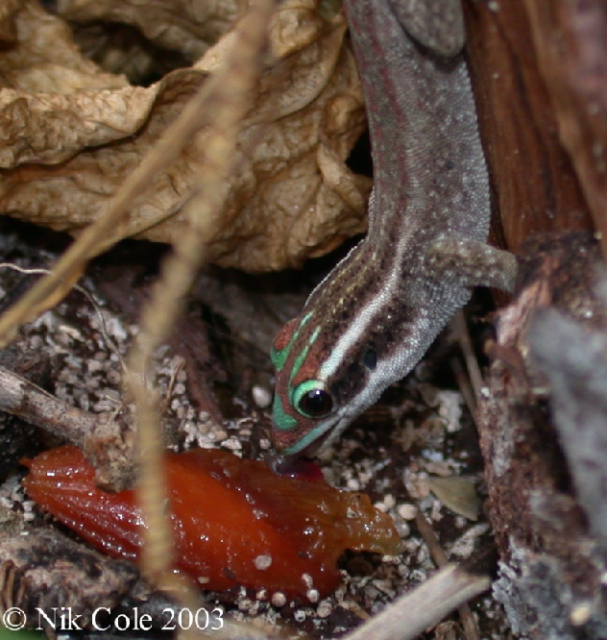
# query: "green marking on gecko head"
[301,358]
[292,362]
[280,356]
[282,420]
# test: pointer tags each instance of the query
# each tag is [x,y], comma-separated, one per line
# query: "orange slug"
[235,523]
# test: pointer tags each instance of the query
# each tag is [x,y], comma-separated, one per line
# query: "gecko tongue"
[299,465]
[294,467]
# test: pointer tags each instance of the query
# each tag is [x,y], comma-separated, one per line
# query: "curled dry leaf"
[38,56]
[187,26]
[69,149]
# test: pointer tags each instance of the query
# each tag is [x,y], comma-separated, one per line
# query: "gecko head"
[312,404]
[304,408]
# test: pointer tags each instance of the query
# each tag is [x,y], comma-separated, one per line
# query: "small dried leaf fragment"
[292,196]
[457,494]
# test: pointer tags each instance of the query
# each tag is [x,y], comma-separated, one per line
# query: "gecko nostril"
[370,359]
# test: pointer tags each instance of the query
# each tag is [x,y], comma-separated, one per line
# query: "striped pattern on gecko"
[373,317]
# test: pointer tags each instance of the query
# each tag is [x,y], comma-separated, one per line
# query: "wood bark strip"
[533,179]
[570,37]
[543,504]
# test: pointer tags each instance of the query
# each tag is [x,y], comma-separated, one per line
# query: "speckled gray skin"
[371,320]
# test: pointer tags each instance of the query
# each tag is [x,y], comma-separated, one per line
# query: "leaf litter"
[72,133]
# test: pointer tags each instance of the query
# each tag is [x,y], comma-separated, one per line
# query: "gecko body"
[373,317]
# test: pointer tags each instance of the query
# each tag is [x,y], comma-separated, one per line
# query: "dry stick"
[98,435]
[461,330]
[423,607]
[24,399]
[469,380]
[463,382]
[231,86]
[102,234]
[439,556]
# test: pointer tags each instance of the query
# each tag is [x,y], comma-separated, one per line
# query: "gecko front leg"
[474,263]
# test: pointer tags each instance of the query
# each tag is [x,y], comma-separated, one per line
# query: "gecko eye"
[312,400]
[315,403]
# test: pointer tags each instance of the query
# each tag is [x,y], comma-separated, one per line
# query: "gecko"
[370,321]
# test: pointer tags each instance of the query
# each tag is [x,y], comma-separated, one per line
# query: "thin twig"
[424,607]
[100,436]
[229,89]
[24,399]
[87,294]
[461,331]
[463,383]
[440,557]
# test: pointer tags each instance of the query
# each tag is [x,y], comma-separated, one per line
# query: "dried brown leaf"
[187,26]
[41,57]
[121,49]
[8,28]
[292,197]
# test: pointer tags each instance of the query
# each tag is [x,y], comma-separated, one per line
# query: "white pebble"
[406,511]
[312,595]
[261,396]
[278,599]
